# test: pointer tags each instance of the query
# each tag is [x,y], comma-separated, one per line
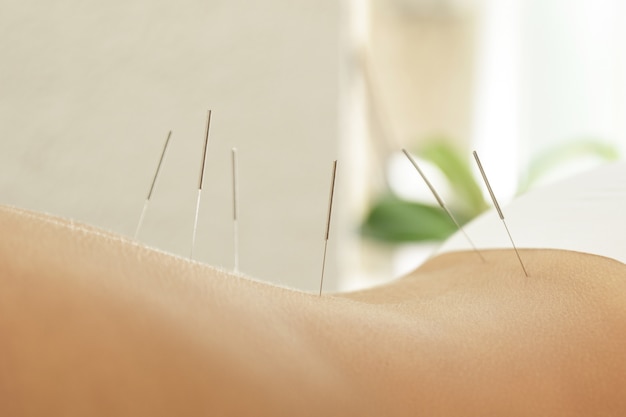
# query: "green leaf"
[392,219]
[457,170]
[550,159]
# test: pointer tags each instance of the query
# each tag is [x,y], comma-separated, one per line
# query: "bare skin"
[93,324]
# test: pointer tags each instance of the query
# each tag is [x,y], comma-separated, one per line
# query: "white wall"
[549,72]
[88,91]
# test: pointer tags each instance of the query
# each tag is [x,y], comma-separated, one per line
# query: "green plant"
[395,220]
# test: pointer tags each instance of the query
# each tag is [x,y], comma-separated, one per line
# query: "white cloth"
[584,213]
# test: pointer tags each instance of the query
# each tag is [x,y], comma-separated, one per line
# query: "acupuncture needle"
[330,211]
[200,183]
[497,206]
[156,174]
[442,204]
[235,173]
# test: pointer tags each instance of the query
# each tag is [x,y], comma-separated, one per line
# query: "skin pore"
[94,324]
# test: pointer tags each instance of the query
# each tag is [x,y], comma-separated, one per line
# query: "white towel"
[585,213]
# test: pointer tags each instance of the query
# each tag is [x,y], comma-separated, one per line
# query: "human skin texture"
[95,324]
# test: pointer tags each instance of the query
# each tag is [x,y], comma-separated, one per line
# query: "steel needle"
[330,211]
[154,179]
[235,167]
[200,183]
[441,203]
[497,206]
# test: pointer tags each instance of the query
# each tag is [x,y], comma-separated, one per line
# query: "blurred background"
[89,90]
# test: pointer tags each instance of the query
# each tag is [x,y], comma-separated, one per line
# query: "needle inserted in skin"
[495,203]
[200,182]
[235,167]
[441,203]
[330,212]
[156,174]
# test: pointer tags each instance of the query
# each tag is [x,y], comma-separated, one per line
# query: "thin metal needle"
[495,203]
[442,204]
[200,182]
[330,212]
[156,174]
[235,167]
